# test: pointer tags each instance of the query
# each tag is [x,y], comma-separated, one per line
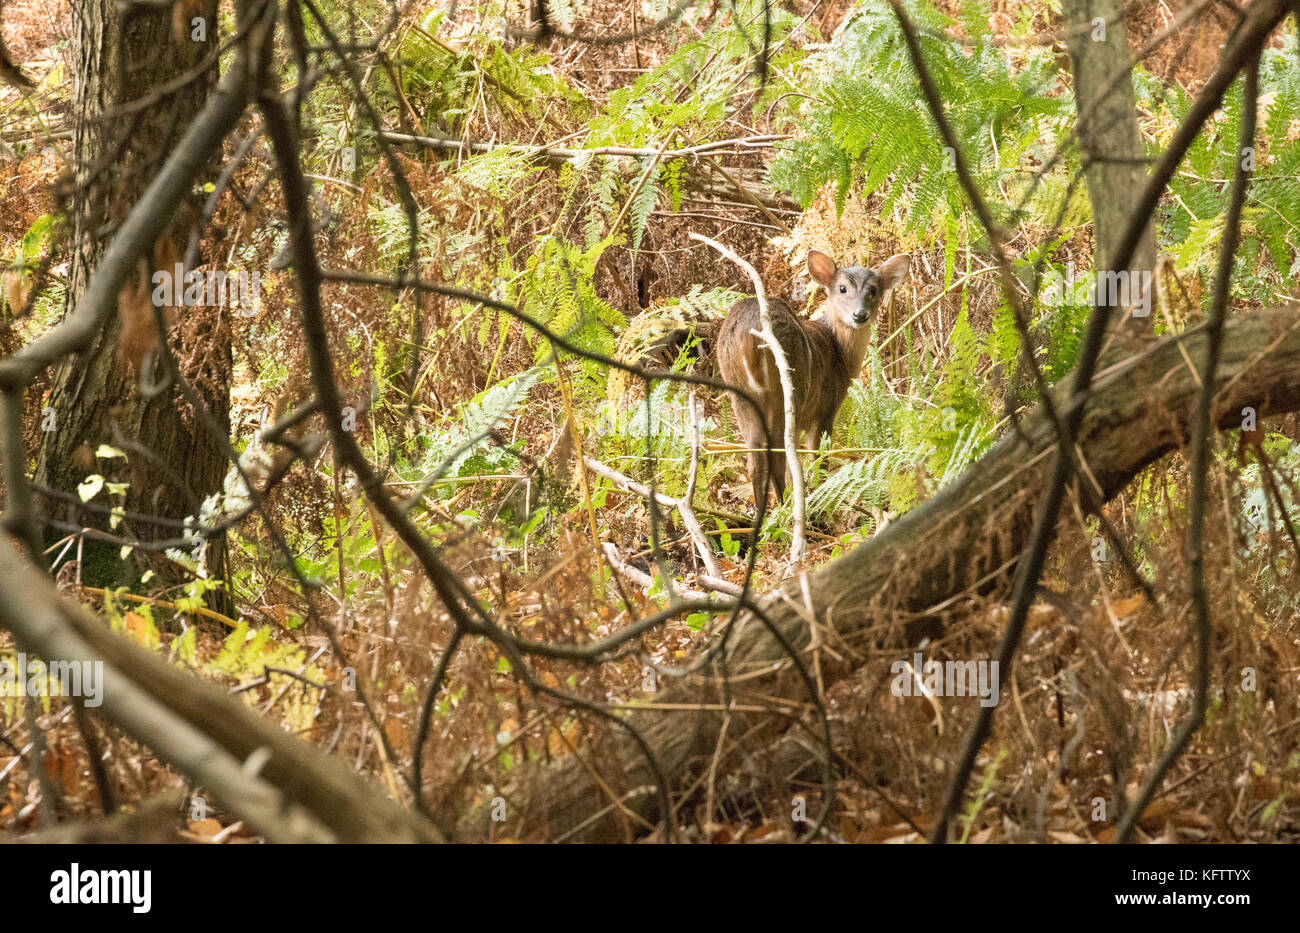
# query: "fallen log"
[288,790]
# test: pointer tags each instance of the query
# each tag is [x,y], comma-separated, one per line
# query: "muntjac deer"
[825,354]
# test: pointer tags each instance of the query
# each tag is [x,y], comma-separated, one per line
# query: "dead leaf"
[396,732]
[1125,608]
[70,773]
[895,832]
[207,827]
[1156,813]
[1065,837]
[137,627]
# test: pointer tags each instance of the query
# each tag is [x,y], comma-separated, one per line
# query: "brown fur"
[824,356]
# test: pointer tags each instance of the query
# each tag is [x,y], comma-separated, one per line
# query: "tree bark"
[966,537]
[1109,135]
[125,57]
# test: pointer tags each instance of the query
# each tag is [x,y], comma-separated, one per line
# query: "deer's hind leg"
[751,433]
[776,464]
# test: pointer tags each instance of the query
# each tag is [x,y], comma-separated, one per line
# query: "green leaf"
[186,646]
[697,620]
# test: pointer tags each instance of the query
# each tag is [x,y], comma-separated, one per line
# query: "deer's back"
[742,359]
[816,363]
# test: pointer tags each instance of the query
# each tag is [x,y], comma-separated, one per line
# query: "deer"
[825,354]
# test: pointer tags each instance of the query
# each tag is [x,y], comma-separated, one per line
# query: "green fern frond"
[874,131]
[463,439]
[642,205]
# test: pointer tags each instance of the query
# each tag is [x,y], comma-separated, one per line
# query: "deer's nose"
[860,316]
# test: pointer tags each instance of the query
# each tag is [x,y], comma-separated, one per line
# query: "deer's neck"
[852,343]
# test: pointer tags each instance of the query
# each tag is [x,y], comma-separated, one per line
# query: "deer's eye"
[843,289]
[871,292]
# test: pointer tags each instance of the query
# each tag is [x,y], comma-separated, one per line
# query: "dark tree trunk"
[131,102]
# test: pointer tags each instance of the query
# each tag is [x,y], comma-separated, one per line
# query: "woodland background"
[392,537]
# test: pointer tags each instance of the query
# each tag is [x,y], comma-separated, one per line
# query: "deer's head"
[855,292]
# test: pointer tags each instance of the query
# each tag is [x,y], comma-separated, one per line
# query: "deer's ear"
[893,270]
[821,267]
